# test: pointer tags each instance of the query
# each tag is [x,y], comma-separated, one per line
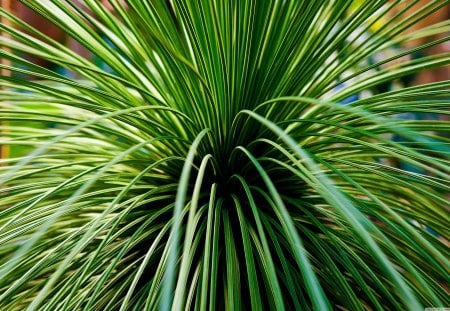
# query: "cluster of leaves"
[214,167]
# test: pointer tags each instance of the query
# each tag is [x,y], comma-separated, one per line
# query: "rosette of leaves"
[214,166]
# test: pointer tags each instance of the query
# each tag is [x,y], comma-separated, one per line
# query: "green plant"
[215,167]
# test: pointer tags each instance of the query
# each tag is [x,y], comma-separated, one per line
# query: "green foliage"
[215,166]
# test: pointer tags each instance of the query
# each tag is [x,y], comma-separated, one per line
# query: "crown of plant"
[213,164]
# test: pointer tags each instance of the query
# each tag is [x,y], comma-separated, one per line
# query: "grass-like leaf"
[214,164]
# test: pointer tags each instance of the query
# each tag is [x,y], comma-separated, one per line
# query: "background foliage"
[215,166]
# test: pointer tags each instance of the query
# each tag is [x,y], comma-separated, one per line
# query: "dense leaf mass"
[211,163]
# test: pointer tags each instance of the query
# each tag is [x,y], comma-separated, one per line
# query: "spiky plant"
[214,165]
